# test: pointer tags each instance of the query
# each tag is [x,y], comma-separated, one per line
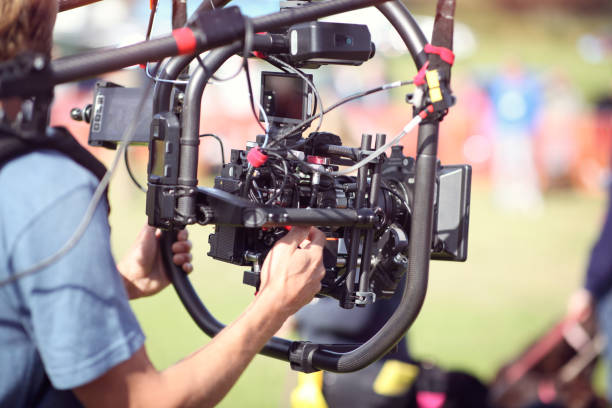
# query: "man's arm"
[142,269]
[291,276]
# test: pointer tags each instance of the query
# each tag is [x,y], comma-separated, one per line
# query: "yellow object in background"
[395,378]
[309,391]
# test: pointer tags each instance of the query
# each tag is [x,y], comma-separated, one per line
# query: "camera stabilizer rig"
[386,221]
[390,219]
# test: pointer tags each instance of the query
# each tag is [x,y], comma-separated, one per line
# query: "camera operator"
[68,336]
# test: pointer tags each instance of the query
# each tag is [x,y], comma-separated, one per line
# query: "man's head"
[26,25]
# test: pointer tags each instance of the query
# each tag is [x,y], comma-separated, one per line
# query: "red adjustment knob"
[256,157]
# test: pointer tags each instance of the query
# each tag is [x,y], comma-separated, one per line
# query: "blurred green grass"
[477,314]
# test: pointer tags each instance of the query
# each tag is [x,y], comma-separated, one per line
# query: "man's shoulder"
[42,176]
[44,167]
[32,183]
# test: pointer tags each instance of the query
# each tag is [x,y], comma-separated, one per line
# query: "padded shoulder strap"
[59,139]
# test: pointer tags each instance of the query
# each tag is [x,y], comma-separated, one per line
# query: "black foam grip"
[442,35]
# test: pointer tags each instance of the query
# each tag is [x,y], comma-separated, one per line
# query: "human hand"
[292,271]
[142,268]
[580,305]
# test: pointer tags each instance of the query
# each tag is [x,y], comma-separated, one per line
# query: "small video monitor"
[286,98]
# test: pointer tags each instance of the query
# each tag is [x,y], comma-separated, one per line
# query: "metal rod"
[82,66]
[375,184]
[356,233]
[179,13]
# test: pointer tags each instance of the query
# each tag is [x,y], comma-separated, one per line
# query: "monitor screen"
[284,97]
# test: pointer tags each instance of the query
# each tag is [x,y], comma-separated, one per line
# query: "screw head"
[38,63]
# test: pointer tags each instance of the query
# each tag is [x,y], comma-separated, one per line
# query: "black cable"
[247,182]
[283,183]
[129,170]
[276,65]
[248,47]
[258,190]
[220,145]
[399,197]
[199,59]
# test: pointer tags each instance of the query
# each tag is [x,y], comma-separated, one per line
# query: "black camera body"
[300,173]
[308,186]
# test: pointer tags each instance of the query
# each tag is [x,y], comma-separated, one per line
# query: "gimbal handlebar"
[306,356]
[222,31]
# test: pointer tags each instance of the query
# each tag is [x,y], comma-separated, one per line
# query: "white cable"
[168,81]
[266,122]
[411,125]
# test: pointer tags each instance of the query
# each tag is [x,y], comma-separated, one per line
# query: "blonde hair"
[26,25]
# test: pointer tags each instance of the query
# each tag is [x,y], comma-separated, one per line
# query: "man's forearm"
[205,377]
[200,380]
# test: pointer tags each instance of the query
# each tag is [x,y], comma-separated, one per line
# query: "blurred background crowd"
[533,82]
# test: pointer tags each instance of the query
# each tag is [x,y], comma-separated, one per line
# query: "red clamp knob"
[256,157]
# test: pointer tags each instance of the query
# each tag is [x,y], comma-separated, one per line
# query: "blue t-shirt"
[69,323]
